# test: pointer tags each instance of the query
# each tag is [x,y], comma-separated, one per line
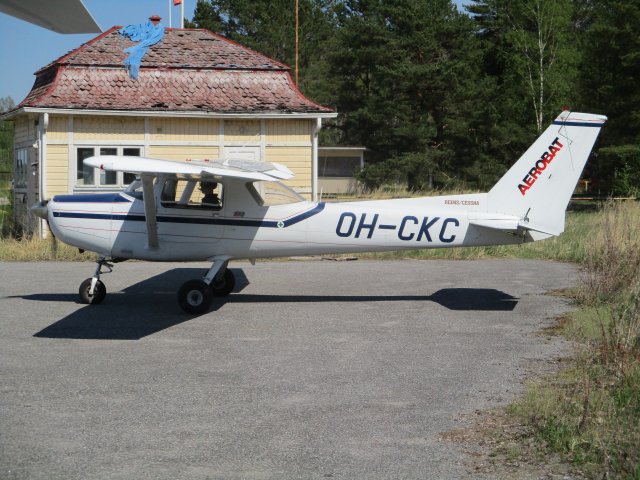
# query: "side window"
[85,174]
[94,177]
[269,194]
[108,178]
[178,193]
[127,177]
[21,168]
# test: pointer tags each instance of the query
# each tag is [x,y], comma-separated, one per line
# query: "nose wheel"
[92,296]
[92,291]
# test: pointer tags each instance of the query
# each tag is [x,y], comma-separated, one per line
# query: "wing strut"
[150,210]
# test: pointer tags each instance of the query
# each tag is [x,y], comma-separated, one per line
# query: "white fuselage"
[114,225]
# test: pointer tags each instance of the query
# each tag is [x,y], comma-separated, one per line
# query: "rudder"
[538,187]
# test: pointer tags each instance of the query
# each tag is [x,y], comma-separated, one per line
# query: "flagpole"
[182,14]
[296,43]
[170,8]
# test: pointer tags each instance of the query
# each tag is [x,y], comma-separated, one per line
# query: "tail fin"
[538,187]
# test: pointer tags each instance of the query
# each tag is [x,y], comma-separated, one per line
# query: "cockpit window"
[179,193]
[269,194]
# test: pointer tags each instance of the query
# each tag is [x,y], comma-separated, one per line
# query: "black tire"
[195,297]
[224,286]
[99,292]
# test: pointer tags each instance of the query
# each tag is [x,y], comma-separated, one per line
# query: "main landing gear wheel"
[195,296]
[99,292]
[225,285]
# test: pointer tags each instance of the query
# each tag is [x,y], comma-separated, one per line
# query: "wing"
[242,169]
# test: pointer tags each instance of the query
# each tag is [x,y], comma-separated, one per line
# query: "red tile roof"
[188,71]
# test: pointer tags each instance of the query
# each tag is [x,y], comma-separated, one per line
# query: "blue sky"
[27,48]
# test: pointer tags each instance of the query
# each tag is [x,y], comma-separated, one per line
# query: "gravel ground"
[312,369]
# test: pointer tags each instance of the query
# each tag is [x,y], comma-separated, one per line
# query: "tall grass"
[590,414]
[612,262]
[35,249]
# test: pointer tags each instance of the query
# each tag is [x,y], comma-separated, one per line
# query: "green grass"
[590,413]
[589,416]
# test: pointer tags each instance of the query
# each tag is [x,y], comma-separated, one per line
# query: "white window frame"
[21,169]
[96,171]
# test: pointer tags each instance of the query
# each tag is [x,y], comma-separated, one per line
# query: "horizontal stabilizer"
[507,223]
[538,228]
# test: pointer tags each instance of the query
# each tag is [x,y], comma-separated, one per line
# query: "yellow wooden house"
[198,96]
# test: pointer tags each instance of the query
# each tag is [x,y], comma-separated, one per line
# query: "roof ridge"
[250,50]
[50,87]
[61,59]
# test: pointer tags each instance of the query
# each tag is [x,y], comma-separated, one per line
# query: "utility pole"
[297,24]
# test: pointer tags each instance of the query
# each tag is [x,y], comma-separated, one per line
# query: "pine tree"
[408,88]
[610,71]
[531,49]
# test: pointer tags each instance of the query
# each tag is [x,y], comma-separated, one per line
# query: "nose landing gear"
[92,291]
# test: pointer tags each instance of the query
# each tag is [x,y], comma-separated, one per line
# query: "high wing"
[241,169]
[150,168]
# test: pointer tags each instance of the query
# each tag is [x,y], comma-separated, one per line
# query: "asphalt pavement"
[311,370]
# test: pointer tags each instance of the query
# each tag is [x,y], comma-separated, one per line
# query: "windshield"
[269,194]
[134,189]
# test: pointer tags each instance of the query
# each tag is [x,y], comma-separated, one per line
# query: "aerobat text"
[540,166]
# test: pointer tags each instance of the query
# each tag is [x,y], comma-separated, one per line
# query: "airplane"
[160,216]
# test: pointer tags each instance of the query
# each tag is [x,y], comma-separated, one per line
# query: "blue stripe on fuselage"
[92,198]
[195,220]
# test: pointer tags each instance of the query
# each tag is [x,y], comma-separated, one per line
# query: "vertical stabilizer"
[538,187]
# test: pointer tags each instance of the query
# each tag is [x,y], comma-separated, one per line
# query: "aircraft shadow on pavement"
[488,299]
[138,311]
[150,306]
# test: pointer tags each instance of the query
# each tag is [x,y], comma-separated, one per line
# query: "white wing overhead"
[242,169]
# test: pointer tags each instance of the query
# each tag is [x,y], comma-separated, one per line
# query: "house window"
[94,177]
[338,166]
[22,168]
